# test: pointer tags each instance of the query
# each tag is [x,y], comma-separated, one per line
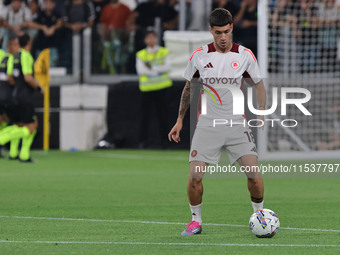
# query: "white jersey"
[219,72]
[16,18]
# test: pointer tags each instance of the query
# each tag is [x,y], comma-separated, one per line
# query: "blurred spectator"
[115,35]
[59,5]
[98,6]
[168,14]
[97,44]
[153,65]
[16,17]
[35,9]
[145,13]
[307,35]
[78,14]
[114,16]
[246,23]
[283,44]
[187,13]
[226,4]
[48,24]
[329,17]
[141,18]
[49,20]
[200,10]
[6,2]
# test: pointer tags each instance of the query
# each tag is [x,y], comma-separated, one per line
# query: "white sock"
[257,206]
[196,213]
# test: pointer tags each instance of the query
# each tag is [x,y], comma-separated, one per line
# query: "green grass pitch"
[128,202]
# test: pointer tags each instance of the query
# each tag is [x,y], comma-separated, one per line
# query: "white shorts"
[208,143]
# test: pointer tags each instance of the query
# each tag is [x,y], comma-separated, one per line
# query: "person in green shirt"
[23,115]
[153,66]
[7,86]
[3,123]
[2,54]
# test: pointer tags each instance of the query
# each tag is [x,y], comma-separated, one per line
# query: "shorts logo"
[194,153]
[235,64]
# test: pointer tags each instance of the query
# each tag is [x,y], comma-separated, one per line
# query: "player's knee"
[32,127]
[195,178]
[255,181]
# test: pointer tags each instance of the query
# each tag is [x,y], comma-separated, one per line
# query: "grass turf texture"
[129,185]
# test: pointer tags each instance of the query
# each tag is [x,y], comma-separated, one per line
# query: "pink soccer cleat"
[193,228]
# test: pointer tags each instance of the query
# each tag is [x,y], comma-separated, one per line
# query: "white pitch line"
[179,244]
[160,223]
[138,157]
[312,229]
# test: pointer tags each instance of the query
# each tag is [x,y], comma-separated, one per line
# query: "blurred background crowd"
[119,26]
[100,39]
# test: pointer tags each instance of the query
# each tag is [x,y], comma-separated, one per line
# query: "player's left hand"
[175,131]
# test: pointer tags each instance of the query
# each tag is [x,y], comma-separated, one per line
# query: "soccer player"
[224,61]
[24,115]
[6,90]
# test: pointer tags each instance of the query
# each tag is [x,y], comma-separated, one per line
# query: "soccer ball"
[264,223]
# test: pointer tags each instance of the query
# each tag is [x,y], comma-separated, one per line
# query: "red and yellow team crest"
[235,64]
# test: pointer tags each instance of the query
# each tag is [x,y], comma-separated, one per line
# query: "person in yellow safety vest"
[153,65]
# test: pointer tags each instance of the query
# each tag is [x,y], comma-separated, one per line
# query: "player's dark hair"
[24,39]
[220,17]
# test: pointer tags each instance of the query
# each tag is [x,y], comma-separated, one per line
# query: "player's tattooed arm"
[183,107]
[185,100]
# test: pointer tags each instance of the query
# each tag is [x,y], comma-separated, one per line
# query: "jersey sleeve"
[253,68]
[10,64]
[191,69]
[26,63]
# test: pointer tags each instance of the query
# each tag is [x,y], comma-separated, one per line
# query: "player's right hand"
[175,131]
